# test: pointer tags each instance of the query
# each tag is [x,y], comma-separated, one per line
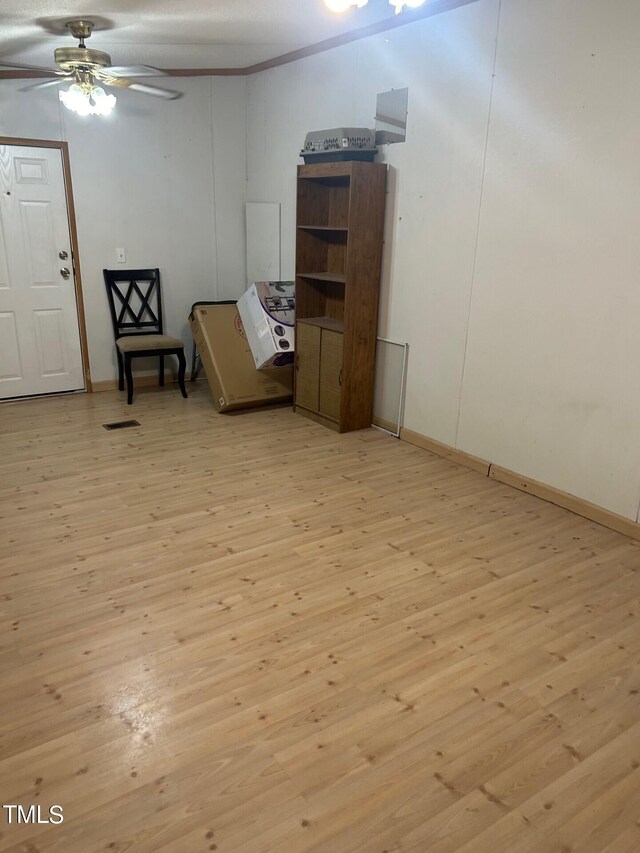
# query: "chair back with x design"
[135,302]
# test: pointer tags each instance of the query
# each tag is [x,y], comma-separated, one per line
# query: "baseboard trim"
[389,426]
[580,507]
[138,382]
[445,451]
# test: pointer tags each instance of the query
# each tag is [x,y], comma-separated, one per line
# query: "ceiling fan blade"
[44,83]
[133,71]
[143,88]
[19,66]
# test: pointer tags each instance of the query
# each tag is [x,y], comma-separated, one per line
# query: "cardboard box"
[234,381]
[268,312]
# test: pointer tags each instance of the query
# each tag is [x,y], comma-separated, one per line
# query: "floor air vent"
[121,424]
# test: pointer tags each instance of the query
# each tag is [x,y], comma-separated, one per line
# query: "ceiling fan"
[88,71]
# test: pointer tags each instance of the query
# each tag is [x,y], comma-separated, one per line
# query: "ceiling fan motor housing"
[80,29]
[72,58]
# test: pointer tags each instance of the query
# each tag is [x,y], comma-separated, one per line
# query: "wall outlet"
[121,256]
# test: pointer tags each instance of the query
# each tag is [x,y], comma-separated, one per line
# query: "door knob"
[64,272]
[63,255]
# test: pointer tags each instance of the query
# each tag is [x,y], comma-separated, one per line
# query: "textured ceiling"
[177,33]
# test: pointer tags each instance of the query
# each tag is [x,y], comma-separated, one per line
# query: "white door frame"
[63,147]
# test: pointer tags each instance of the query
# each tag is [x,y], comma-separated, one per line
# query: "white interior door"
[40,349]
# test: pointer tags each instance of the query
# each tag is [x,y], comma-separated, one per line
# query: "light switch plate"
[121,256]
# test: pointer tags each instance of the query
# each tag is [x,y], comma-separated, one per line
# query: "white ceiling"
[177,33]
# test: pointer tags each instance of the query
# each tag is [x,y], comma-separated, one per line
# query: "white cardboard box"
[268,312]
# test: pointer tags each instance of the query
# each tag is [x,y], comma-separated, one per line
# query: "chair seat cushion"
[131,343]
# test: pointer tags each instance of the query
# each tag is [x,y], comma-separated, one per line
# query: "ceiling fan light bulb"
[400,4]
[102,104]
[342,5]
[75,99]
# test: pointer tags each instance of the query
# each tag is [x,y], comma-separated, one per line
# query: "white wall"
[551,386]
[146,179]
[511,251]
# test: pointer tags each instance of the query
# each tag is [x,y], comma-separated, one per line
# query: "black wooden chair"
[135,302]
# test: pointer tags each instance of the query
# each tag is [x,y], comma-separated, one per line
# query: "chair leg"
[182,367]
[129,375]
[161,376]
[120,371]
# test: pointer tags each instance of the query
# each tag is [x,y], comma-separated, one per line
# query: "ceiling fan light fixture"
[103,104]
[93,101]
[400,4]
[340,6]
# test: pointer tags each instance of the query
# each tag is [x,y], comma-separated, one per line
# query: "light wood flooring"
[248,633]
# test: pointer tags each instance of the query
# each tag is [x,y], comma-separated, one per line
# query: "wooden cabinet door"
[307,365]
[330,374]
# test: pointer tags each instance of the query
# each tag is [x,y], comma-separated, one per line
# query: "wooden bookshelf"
[340,221]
